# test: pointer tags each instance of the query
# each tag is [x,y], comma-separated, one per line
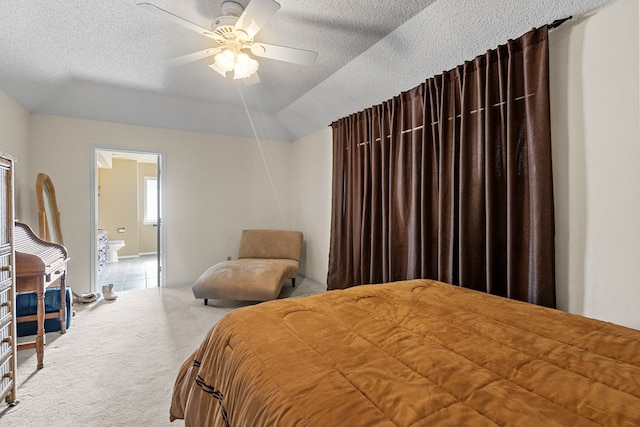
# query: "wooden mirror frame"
[48,214]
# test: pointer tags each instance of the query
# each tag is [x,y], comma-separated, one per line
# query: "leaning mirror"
[48,215]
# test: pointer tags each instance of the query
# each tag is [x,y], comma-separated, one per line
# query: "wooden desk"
[39,265]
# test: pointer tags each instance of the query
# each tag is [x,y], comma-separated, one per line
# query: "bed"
[412,353]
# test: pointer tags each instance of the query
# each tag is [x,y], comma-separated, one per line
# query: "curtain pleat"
[451,180]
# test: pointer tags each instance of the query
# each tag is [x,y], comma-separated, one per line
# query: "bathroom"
[127,219]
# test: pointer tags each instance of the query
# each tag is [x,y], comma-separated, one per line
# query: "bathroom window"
[150,200]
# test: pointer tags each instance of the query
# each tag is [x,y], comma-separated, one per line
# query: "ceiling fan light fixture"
[245,66]
[241,64]
[225,60]
[218,70]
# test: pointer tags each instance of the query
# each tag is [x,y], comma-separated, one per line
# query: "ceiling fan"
[234,33]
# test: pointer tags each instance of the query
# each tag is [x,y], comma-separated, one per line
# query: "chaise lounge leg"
[206,301]
[293,282]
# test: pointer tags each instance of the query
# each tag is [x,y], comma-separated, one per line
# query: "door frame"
[161,245]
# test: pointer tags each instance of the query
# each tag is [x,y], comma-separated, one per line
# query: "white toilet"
[114,247]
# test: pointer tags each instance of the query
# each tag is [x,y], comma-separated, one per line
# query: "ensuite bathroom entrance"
[127,217]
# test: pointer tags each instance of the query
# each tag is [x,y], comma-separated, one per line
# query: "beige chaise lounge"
[266,258]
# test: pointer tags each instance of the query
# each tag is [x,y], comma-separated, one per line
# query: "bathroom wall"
[121,205]
[147,233]
[118,204]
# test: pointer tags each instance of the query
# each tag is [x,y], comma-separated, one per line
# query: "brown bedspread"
[415,353]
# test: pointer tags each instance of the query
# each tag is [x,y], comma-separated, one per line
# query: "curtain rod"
[558,22]
[419,127]
[553,25]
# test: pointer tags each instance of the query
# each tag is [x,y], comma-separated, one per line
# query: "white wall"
[216,186]
[14,140]
[311,200]
[595,109]
[595,96]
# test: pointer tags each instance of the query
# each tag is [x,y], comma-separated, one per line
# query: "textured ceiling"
[105,60]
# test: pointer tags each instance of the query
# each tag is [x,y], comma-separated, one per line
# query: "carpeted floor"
[117,363]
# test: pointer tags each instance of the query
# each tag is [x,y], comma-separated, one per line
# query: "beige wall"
[14,140]
[215,186]
[311,188]
[595,110]
[595,95]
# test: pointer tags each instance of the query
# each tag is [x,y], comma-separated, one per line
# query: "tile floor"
[131,273]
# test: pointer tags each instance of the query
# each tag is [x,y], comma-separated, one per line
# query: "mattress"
[412,353]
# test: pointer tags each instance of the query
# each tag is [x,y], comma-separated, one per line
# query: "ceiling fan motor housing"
[223,27]
[232,8]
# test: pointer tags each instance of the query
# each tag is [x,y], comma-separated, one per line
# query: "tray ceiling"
[106,60]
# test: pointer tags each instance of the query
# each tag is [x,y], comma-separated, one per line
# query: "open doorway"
[127,215]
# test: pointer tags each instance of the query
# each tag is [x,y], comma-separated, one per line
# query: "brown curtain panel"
[452,181]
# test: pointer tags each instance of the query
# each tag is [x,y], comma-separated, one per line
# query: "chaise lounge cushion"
[249,279]
[266,258]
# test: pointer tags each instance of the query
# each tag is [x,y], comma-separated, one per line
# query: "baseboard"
[136,256]
[311,279]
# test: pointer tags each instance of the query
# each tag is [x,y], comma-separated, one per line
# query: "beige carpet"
[117,363]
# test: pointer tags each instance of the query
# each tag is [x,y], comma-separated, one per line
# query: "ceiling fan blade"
[195,56]
[177,19]
[256,14]
[283,53]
